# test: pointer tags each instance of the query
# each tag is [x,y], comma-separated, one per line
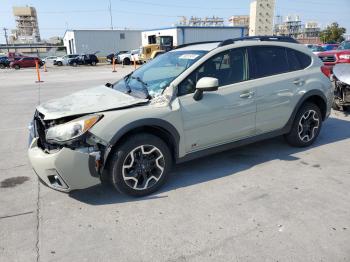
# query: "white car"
[131,56]
[49,59]
[187,103]
[64,60]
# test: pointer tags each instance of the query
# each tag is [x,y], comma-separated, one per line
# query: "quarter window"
[297,60]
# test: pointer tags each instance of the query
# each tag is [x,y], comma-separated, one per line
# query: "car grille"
[328,59]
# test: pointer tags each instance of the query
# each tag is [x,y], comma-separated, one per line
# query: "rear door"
[277,71]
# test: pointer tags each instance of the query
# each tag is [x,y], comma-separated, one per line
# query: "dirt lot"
[263,202]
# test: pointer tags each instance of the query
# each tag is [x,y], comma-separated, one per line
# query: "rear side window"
[297,60]
[269,60]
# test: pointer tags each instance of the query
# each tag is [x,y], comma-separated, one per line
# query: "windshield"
[152,78]
[344,46]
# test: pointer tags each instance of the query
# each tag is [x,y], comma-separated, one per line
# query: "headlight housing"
[72,129]
[344,56]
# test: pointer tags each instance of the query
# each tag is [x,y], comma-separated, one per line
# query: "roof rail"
[196,43]
[271,38]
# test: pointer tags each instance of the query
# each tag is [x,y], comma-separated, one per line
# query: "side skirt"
[226,147]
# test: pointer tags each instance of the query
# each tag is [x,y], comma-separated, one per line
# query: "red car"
[337,56]
[26,62]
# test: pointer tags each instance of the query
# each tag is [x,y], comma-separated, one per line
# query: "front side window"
[228,67]
[269,60]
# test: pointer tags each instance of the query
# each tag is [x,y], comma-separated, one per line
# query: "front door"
[222,116]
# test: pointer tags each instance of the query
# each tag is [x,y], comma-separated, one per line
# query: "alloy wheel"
[143,167]
[309,123]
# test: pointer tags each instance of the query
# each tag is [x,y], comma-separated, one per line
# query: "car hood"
[93,100]
[333,52]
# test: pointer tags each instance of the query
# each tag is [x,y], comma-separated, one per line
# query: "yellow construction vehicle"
[157,45]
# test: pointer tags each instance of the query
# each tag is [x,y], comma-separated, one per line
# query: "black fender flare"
[306,96]
[147,122]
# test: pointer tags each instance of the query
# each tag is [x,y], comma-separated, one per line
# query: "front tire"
[306,126]
[141,165]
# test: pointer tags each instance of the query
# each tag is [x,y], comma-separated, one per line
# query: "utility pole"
[7,42]
[110,13]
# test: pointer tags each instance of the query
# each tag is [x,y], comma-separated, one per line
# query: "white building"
[191,34]
[102,41]
[261,17]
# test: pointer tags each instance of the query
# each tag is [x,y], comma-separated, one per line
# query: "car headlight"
[344,56]
[72,129]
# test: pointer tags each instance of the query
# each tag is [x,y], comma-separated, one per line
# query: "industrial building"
[239,20]
[190,34]
[102,42]
[308,33]
[27,28]
[261,17]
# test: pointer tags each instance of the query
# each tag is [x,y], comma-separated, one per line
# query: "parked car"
[111,56]
[187,103]
[84,60]
[50,59]
[4,62]
[60,61]
[338,56]
[26,62]
[129,57]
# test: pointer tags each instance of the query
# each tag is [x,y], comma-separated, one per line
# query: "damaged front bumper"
[64,170]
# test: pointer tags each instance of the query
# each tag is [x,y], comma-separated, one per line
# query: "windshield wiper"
[128,88]
[144,85]
[139,80]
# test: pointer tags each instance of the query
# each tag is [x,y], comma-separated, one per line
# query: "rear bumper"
[64,170]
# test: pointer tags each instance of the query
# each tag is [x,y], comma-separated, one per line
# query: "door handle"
[298,82]
[249,94]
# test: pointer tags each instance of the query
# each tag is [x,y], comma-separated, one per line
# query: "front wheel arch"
[160,128]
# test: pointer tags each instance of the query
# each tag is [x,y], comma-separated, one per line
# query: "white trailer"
[102,41]
[191,34]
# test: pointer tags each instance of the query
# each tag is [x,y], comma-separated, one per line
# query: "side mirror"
[109,85]
[205,84]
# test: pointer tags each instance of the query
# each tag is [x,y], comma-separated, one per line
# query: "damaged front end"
[341,77]
[64,154]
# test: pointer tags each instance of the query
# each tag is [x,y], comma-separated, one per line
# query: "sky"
[57,16]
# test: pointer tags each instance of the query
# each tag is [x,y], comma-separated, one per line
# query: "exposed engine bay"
[341,78]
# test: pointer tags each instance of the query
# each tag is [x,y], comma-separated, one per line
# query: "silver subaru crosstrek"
[193,101]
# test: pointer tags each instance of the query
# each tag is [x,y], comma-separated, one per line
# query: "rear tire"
[59,63]
[141,165]
[17,67]
[2,66]
[306,126]
[126,61]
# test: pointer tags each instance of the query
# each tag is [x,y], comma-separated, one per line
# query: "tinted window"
[293,60]
[304,59]
[269,60]
[228,67]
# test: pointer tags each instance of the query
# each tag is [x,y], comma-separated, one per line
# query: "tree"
[333,33]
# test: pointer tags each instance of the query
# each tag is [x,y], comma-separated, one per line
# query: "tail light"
[326,71]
